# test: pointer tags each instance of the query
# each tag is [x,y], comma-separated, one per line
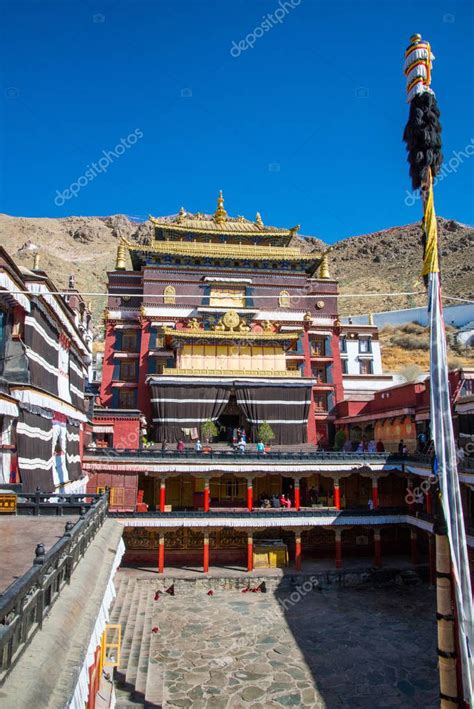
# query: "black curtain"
[76,380]
[284,407]
[34,436]
[37,343]
[73,459]
[466,423]
[179,406]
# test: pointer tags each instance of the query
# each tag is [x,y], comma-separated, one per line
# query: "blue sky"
[304,126]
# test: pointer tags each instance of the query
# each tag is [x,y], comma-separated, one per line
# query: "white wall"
[352,356]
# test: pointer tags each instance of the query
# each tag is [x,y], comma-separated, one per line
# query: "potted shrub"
[339,440]
[265,434]
[208,431]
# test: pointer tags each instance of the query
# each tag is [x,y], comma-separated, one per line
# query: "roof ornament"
[120,263]
[370,319]
[220,215]
[36,259]
[324,266]
[258,220]
[181,215]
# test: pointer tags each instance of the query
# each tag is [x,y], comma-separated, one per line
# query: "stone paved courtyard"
[329,648]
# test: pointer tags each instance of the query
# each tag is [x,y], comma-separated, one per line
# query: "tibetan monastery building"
[224,319]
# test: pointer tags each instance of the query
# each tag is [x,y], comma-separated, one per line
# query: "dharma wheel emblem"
[231,319]
[320,304]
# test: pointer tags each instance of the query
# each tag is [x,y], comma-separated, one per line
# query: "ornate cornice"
[292,374]
[231,335]
[212,250]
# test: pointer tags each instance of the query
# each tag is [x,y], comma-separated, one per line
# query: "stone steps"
[144,656]
[137,638]
[128,617]
[138,684]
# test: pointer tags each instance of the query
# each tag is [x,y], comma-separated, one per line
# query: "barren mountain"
[381,262]
[391,260]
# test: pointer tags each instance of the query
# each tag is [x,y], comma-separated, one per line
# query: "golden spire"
[324,266]
[258,220]
[36,258]
[120,263]
[370,319]
[220,215]
[181,214]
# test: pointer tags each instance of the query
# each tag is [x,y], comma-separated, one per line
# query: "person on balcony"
[180,447]
[380,446]
[242,445]
[284,501]
[260,448]
[198,446]
[275,502]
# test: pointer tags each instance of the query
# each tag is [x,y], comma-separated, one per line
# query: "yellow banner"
[430,262]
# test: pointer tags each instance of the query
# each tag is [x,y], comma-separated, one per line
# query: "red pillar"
[377,549]
[307,371]
[338,533]
[206,496]
[108,365]
[337,494]
[414,546]
[143,396]
[375,493]
[81,441]
[162,494]
[250,551]
[249,494]
[337,367]
[205,563]
[161,553]
[429,503]
[298,551]
[297,495]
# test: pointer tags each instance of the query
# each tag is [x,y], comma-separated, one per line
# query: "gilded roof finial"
[120,263]
[220,215]
[370,319]
[324,266]
[36,259]
[258,220]
[181,214]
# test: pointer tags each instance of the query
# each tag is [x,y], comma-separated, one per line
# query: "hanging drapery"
[34,436]
[73,457]
[284,407]
[76,380]
[179,407]
[41,341]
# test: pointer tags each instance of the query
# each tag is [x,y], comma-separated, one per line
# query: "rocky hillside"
[391,260]
[385,261]
[84,246]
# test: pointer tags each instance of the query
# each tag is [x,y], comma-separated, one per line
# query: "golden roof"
[199,249]
[220,223]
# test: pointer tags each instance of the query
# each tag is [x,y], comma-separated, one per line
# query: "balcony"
[294,373]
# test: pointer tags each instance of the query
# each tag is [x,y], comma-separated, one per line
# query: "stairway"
[138,681]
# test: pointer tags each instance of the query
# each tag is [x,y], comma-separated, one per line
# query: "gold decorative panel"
[169,295]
